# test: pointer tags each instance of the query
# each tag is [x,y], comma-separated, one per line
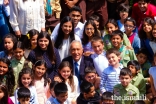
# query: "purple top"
[51,68]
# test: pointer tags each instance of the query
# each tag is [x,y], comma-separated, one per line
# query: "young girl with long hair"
[153,38]
[90,31]
[65,37]
[6,75]
[41,81]
[65,73]
[46,51]
[30,41]
[25,79]
[145,35]
[4,97]
[9,41]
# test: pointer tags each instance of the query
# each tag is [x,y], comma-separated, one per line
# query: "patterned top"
[110,78]
[27,15]
[51,68]
[33,96]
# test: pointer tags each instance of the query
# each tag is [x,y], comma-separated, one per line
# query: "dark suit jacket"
[95,100]
[85,61]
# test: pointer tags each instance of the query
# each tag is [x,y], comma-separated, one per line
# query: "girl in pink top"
[4,99]
[41,81]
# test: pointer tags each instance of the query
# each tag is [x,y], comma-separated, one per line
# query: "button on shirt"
[100,62]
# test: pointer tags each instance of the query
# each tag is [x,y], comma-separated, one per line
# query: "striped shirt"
[110,77]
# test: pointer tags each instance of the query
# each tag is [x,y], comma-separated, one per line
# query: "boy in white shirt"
[99,57]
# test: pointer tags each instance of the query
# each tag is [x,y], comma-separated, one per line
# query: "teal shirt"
[126,55]
[122,94]
[139,82]
[108,44]
[17,66]
[145,68]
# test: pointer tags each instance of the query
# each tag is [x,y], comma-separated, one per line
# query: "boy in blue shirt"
[61,94]
[110,75]
[23,95]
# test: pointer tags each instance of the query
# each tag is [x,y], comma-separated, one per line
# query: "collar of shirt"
[21,60]
[120,67]
[79,62]
[102,54]
[126,88]
[79,26]
[56,101]
[136,77]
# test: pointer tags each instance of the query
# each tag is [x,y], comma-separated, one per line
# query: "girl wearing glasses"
[89,32]
[130,25]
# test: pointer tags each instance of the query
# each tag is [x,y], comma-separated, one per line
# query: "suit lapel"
[82,66]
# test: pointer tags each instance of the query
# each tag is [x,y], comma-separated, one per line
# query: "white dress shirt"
[73,94]
[64,50]
[78,30]
[27,15]
[100,62]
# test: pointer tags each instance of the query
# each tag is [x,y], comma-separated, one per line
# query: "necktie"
[77,71]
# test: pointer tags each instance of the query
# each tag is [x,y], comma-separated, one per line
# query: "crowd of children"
[77,52]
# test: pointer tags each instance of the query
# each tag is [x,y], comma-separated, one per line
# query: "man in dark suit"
[77,60]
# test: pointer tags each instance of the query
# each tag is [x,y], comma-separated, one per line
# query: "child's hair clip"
[28,36]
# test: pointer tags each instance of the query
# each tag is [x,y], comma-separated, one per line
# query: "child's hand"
[18,34]
[88,53]
[69,4]
[73,101]
[129,47]
[58,79]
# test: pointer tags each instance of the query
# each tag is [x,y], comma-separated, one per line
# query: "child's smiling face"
[147,27]
[3,68]
[116,41]
[142,5]
[26,80]
[125,80]
[133,70]
[110,28]
[123,15]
